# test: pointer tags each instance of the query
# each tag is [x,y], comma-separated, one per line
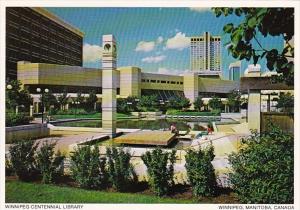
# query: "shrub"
[263,169]
[216,112]
[23,160]
[8,167]
[49,164]
[200,171]
[215,103]
[120,171]
[198,103]
[172,112]
[160,167]
[87,168]
[13,119]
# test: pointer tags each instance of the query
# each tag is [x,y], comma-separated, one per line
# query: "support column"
[191,87]
[31,111]
[109,90]
[254,103]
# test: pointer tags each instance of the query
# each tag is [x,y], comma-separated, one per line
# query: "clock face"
[107,47]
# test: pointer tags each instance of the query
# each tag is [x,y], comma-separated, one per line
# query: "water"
[158,124]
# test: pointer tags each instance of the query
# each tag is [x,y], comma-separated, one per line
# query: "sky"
[154,39]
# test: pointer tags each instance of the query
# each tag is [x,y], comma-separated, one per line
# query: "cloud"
[154,59]
[91,53]
[163,70]
[178,42]
[200,9]
[145,46]
[159,40]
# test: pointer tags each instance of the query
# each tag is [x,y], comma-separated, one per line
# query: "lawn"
[21,192]
[89,116]
[194,113]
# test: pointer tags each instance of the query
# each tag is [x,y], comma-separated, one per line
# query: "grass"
[89,116]
[21,192]
[194,113]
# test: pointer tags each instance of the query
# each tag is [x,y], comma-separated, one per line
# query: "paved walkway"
[63,142]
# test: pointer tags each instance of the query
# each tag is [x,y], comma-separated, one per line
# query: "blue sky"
[154,39]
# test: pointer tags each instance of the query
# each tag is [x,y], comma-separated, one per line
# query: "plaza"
[132,109]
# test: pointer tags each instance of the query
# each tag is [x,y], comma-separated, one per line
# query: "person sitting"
[209,130]
[173,129]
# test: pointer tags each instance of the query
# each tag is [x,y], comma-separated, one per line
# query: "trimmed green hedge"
[191,113]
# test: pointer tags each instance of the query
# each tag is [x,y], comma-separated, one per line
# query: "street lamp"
[9,87]
[39,90]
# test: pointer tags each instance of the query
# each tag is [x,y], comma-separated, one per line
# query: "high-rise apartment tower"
[205,53]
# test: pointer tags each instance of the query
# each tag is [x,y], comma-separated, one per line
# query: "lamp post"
[39,90]
[10,87]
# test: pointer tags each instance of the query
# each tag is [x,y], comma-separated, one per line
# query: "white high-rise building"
[205,53]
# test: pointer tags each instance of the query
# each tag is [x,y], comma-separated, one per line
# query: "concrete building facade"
[36,35]
[205,53]
[235,71]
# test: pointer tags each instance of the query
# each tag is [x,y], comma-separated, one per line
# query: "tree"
[198,103]
[17,96]
[49,99]
[234,100]
[178,103]
[265,22]
[91,101]
[62,99]
[263,169]
[215,103]
[184,103]
[148,103]
[286,102]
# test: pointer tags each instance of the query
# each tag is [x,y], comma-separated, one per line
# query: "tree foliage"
[126,105]
[49,99]
[263,169]
[17,96]
[90,101]
[234,101]
[215,103]
[49,163]
[178,103]
[200,171]
[63,98]
[160,168]
[22,157]
[198,103]
[87,168]
[120,170]
[266,22]
[148,103]
[286,102]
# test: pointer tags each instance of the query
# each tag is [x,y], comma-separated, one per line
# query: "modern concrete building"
[38,36]
[205,53]
[235,71]
[129,81]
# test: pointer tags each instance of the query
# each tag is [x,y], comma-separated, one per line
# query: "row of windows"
[161,81]
[201,39]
